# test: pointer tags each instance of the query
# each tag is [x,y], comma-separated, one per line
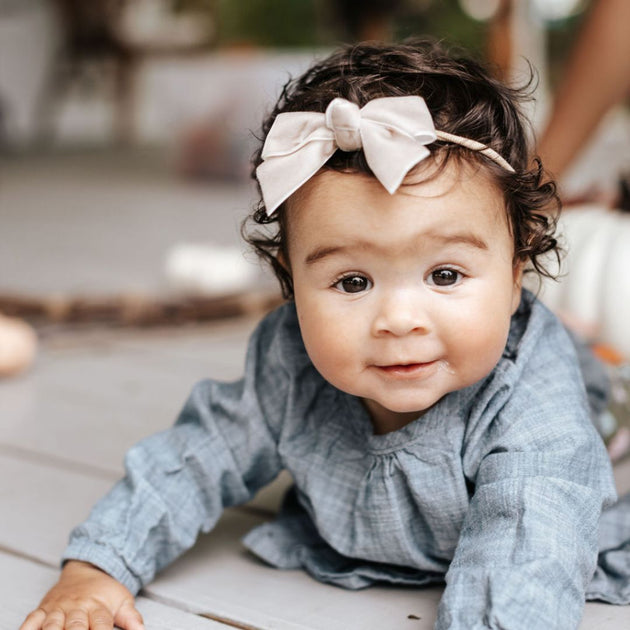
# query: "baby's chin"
[399,414]
[399,403]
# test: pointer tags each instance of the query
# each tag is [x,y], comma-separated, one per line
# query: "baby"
[431,411]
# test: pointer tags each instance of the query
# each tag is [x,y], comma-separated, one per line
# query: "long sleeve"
[528,547]
[539,476]
[221,450]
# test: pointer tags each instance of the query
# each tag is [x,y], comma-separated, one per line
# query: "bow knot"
[344,119]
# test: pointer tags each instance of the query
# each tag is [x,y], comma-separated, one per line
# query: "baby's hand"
[85,598]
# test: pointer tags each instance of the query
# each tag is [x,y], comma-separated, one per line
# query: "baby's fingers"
[128,617]
[77,619]
[49,620]
[100,619]
[34,620]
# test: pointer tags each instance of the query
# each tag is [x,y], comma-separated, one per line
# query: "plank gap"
[54,461]
[27,556]
[172,603]
[229,622]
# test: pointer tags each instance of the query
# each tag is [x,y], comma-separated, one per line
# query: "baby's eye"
[444,277]
[353,284]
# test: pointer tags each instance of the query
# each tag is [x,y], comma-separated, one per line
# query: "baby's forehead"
[455,169]
[445,207]
[472,176]
[428,180]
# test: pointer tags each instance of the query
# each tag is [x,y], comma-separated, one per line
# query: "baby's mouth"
[406,369]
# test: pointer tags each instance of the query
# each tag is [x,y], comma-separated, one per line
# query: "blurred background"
[126,128]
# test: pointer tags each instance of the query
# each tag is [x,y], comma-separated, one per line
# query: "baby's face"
[402,298]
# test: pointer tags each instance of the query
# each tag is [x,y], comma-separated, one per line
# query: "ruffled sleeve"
[221,450]
[540,476]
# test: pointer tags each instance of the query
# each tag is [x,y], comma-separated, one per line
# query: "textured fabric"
[496,490]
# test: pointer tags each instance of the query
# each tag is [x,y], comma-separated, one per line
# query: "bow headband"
[392,131]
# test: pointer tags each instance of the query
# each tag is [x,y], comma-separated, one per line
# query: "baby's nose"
[400,313]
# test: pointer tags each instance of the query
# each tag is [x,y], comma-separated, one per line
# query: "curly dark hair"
[463,98]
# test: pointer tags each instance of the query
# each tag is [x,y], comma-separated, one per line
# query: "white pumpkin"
[594,287]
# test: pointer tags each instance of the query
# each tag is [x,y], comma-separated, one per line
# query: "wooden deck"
[64,428]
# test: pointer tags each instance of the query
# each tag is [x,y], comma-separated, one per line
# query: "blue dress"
[497,490]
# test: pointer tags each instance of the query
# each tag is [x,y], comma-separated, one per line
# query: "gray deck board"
[22,584]
[41,504]
[90,403]
[219,576]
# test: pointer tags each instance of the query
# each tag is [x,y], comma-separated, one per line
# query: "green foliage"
[312,22]
[442,19]
[290,23]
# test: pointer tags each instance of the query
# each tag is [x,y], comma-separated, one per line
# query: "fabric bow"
[392,131]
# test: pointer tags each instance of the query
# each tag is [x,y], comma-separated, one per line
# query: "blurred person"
[90,33]
[597,77]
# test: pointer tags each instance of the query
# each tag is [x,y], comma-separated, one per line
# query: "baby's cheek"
[334,373]
[480,344]
[325,349]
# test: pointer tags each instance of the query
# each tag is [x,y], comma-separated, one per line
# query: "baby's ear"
[517,286]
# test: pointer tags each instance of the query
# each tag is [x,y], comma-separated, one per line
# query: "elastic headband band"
[392,131]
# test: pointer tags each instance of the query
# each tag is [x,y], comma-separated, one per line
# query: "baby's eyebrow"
[465,238]
[321,252]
